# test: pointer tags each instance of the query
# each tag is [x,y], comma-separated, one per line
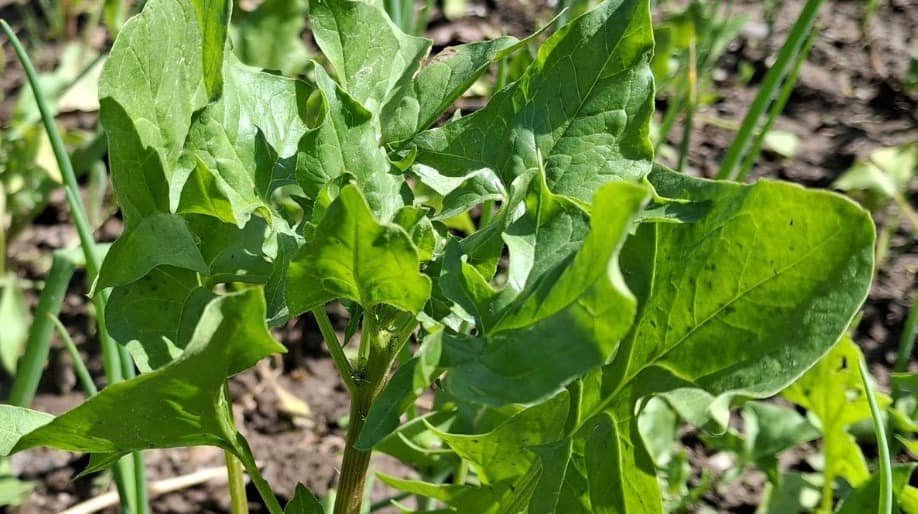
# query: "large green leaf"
[180,404]
[584,106]
[566,323]
[503,453]
[354,257]
[371,56]
[620,472]
[347,142]
[162,69]
[246,142]
[742,301]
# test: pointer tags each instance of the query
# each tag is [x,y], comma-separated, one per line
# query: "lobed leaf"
[354,257]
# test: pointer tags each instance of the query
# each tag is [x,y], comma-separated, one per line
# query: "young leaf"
[554,459]
[584,106]
[354,257]
[563,325]
[16,422]
[463,498]
[417,104]
[370,54]
[213,18]
[347,142]
[303,502]
[620,471]
[180,404]
[833,392]
[504,452]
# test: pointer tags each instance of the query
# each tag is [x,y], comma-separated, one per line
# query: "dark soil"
[850,99]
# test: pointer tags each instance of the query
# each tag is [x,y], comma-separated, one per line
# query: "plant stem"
[886,485]
[355,463]
[334,347]
[236,475]
[244,453]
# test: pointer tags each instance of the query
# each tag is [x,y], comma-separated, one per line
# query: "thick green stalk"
[115,369]
[884,461]
[773,79]
[355,462]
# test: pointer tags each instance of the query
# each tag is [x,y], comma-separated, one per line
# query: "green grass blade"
[773,79]
[777,108]
[32,363]
[78,367]
[885,463]
[907,340]
[114,367]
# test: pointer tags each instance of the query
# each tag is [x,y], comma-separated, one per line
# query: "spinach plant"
[600,281]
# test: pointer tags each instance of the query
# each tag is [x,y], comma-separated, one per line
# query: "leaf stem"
[244,452]
[886,485]
[238,500]
[334,347]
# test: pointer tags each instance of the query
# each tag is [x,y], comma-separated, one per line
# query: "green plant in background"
[249,199]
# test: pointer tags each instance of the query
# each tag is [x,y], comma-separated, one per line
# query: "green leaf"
[584,106]
[347,142]
[244,145]
[503,453]
[303,502]
[15,320]
[213,18]
[864,498]
[162,70]
[155,316]
[180,404]
[270,37]
[417,104]
[371,56]
[158,240]
[833,393]
[554,459]
[770,277]
[566,323]
[464,498]
[16,422]
[620,471]
[354,257]
[886,172]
